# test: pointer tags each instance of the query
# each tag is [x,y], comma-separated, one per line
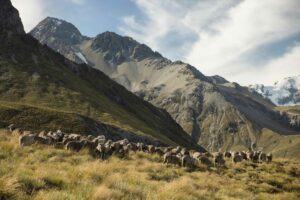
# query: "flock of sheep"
[102,148]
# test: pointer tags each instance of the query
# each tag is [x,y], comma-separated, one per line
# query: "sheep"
[101,150]
[218,159]
[141,146]
[176,150]
[26,140]
[204,160]
[187,161]
[269,157]
[244,155]
[150,149]
[74,145]
[170,158]
[17,132]
[184,151]
[196,155]
[43,140]
[99,139]
[11,128]
[237,157]
[255,157]
[159,151]
[227,154]
[250,155]
[262,157]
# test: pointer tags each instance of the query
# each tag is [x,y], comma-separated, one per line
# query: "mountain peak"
[9,18]
[119,48]
[59,29]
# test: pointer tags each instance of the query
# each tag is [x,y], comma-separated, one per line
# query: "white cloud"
[79,2]
[226,31]
[285,66]
[31,12]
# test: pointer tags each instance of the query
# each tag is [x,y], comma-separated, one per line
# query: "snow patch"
[283,92]
[81,57]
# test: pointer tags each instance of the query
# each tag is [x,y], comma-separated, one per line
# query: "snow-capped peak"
[283,92]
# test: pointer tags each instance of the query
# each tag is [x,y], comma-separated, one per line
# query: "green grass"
[41,172]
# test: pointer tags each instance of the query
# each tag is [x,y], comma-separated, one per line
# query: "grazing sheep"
[26,140]
[17,132]
[159,151]
[227,154]
[141,146]
[74,145]
[90,137]
[43,140]
[250,155]
[134,147]
[170,158]
[187,161]
[205,160]
[151,149]
[218,159]
[237,157]
[176,150]
[184,151]
[262,157]
[269,157]
[244,155]
[196,155]
[255,157]
[11,128]
[101,151]
[89,145]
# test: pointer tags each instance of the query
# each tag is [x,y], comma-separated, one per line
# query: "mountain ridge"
[216,113]
[34,74]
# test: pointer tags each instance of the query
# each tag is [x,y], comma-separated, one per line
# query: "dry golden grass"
[40,172]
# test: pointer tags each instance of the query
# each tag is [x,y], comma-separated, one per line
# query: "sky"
[245,41]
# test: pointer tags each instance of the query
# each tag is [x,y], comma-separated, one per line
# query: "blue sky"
[246,41]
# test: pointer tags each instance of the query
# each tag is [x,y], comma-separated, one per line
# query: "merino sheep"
[262,157]
[218,159]
[227,154]
[170,158]
[204,160]
[43,140]
[74,145]
[151,149]
[26,140]
[237,157]
[269,157]
[187,161]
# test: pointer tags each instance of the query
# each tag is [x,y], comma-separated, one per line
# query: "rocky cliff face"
[216,113]
[9,18]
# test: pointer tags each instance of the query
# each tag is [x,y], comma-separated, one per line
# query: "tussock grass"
[39,172]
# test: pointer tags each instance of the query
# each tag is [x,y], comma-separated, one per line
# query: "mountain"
[40,88]
[216,113]
[283,93]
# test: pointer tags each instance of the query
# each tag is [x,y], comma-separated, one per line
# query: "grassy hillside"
[39,172]
[289,109]
[33,74]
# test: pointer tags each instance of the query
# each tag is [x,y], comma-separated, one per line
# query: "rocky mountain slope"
[216,113]
[50,88]
[284,93]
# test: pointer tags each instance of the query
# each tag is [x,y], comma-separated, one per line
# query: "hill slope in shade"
[216,113]
[33,74]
